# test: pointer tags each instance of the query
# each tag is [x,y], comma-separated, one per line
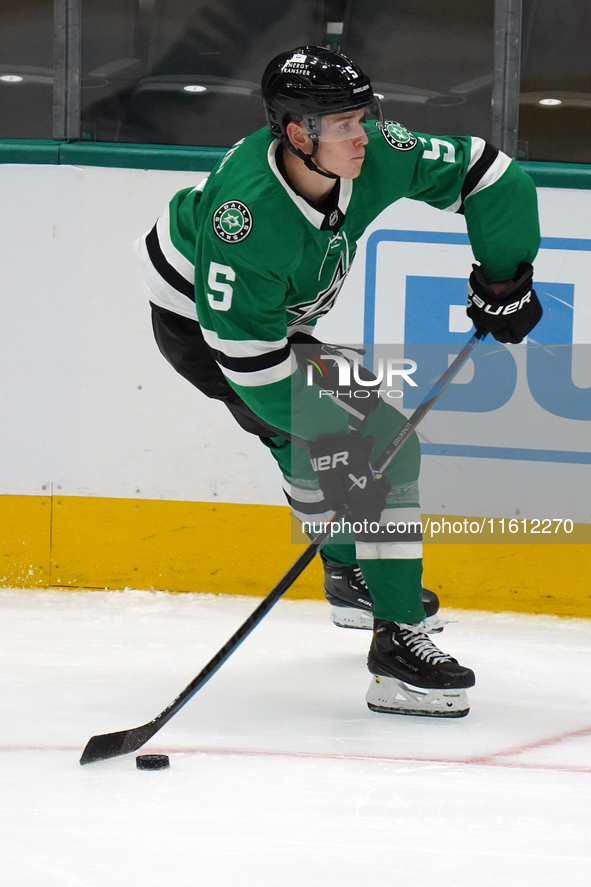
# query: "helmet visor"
[343,125]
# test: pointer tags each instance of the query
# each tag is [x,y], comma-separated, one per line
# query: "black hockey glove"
[341,462]
[509,315]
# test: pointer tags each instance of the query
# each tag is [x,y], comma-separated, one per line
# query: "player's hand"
[509,314]
[341,462]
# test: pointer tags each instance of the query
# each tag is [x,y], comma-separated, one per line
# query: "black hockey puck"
[152,762]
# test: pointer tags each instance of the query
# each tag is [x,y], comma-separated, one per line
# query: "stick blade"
[111,745]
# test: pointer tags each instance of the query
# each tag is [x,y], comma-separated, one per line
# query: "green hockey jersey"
[252,261]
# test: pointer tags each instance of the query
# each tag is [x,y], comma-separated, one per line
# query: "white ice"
[280,776]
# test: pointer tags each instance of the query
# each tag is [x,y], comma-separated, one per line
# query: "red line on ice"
[531,746]
[395,759]
[494,759]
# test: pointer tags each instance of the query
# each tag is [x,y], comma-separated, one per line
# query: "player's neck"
[309,184]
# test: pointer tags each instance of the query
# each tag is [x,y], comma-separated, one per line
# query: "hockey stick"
[111,745]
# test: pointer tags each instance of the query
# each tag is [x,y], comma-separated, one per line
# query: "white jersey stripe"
[310,497]
[158,290]
[201,184]
[493,174]
[244,348]
[262,377]
[398,515]
[454,207]
[373,551]
[477,148]
[172,255]
[315,522]
[306,328]
[345,195]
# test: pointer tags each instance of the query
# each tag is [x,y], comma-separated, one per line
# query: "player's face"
[341,149]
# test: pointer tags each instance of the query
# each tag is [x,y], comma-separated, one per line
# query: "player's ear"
[296,132]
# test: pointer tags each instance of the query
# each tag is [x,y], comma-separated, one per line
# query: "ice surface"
[280,776]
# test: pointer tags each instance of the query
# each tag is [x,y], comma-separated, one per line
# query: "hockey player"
[240,268]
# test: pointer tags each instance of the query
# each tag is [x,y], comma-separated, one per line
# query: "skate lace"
[359,577]
[422,646]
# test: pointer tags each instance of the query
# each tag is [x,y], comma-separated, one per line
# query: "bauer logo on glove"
[341,462]
[325,463]
[499,309]
[360,482]
[509,315]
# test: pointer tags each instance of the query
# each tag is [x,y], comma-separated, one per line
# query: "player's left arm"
[499,201]
[467,175]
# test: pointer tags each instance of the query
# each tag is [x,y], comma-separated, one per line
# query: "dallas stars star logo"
[307,311]
[232,221]
[397,136]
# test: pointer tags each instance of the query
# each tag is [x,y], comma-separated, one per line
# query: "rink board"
[76,542]
[155,487]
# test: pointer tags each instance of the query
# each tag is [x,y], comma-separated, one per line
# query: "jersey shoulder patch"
[232,221]
[397,136]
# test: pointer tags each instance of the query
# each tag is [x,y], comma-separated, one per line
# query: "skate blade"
[351,617]
[395,697]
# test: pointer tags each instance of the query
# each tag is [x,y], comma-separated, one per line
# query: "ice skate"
[351,602]
[411,676]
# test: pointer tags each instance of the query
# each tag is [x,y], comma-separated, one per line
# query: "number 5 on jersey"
[216,270]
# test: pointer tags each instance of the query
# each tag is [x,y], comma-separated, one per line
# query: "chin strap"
[311,165]
[307,158]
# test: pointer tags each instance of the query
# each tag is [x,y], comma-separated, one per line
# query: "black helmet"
[309,82]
